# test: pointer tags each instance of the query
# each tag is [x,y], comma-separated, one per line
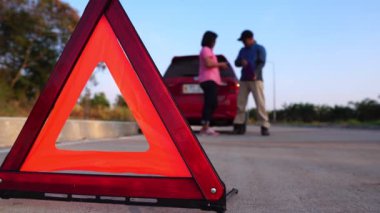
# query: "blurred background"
[322,64]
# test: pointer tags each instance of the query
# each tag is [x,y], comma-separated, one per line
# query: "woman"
[209,78]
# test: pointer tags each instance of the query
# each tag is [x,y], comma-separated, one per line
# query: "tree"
[304,112]
[342,113]
[323,113]
[120,102]
[100,101]
[367,110]
[32,36]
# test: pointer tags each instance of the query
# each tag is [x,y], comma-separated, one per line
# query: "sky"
[318,51]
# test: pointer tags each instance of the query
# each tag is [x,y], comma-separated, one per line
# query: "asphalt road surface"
[293,170]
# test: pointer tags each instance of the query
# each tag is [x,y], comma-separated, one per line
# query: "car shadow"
[223,132]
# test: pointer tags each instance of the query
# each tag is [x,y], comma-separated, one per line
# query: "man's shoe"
[264,131]
[239,129]
[236,129]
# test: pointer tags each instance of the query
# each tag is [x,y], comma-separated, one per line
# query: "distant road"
[294,170]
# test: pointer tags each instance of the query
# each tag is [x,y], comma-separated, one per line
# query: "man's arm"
[239,60]
[261,58]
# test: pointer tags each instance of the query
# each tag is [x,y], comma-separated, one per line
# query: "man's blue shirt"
[255,55]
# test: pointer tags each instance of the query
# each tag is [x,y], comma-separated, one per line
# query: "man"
[252,60]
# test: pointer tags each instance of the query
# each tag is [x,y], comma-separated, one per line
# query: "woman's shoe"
[209,131]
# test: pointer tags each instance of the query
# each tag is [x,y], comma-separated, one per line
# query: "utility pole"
[274,90]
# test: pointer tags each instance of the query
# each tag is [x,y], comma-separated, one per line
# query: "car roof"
[191,57]
[188,66]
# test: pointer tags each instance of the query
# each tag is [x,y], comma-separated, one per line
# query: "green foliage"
[367,110]
[5,91]
[121,114]
[102,113]
[341,113]
[32,36]
[300,112]
[115,114]
[98,107]
[120,102]
[100,101]
[8,106]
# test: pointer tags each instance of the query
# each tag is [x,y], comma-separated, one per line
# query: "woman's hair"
[209,39]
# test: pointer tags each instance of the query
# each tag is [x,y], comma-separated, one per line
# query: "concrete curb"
[73,130]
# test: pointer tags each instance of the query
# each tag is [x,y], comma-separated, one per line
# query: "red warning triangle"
[161,159]
[175,170]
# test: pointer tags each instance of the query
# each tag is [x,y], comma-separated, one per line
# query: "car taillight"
[233,87]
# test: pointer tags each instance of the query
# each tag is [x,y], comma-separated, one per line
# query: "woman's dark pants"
[210,89]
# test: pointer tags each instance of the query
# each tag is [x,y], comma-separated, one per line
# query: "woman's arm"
[211,64]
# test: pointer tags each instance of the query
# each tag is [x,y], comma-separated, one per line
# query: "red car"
[182,80]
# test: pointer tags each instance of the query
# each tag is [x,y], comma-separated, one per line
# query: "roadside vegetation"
[362,113]
[99,108]
[32,36]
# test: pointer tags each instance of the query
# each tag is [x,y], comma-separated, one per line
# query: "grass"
[13,110]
